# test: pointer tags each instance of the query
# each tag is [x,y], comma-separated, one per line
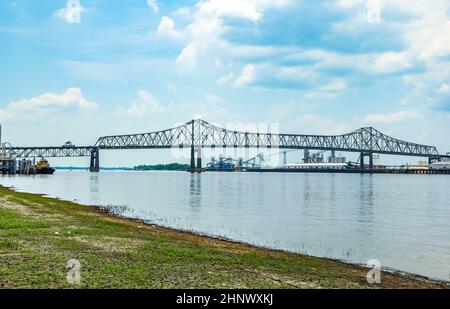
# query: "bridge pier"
[361,161]
[362,166]
[192,168]
[95,160]
[306,156]
[199,159]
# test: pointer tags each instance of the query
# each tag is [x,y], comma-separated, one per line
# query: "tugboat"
[42,167]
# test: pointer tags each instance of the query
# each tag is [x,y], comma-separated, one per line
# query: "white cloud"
[252,10]
[424,32]
[247,76]
[172,87]
[312,123]
[428,37]
[145,103]
[348,4]
[404,102]
[315,75]
[217,63]
[274,4]
[238,9]
[212,99]
[189,55]
[72,12]
[183,13]
[390,62]
[255,51]
[206,29]
[153,5]
[225,79]
[203,35]
[285,110]
[444,89]
[167,28]
[373,63]
[47,103]
[211,108]
[430,88]
[305,78]
[330,90]
[209,25]
[399,116]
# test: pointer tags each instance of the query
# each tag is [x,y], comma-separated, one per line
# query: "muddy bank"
[39,235]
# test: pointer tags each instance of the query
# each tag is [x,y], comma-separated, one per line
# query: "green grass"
[38,235]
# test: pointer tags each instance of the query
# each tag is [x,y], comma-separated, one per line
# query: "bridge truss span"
[51,152]
[180,136]
[201,134]
[198,134]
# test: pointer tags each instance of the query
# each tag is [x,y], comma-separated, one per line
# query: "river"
[401,220]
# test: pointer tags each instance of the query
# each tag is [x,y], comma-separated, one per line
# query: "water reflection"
[366,198]
[195,192]
[94,181]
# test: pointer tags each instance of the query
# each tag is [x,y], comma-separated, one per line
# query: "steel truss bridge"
[198,134]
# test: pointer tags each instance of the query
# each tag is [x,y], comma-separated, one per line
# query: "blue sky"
[103,67]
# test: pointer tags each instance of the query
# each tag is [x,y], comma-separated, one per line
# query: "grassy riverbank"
[39,235]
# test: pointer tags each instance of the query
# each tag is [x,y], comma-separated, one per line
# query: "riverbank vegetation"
[39,235]
[163,167]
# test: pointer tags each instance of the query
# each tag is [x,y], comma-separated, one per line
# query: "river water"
[401,220]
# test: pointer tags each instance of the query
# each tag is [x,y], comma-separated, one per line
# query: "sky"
[77,70]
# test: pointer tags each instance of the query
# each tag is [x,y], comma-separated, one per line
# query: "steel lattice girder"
[201,134]
[51,152]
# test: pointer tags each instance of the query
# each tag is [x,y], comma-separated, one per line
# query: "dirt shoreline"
[243,243]
[93,232]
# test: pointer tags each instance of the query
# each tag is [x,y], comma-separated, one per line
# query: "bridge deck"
[52,151]
[201,134]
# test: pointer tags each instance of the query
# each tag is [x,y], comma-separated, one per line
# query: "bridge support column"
[192,159]
[361,161]
[362,165]
[306,156]
[199,159]
[95,160]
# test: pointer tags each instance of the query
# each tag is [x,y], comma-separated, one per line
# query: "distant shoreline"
[78,168]
[156,167]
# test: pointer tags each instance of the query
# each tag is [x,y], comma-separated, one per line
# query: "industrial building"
[440,165]
[8,162]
